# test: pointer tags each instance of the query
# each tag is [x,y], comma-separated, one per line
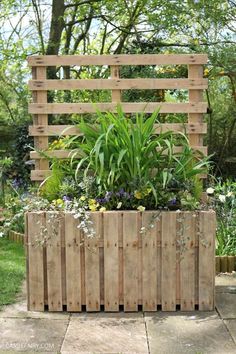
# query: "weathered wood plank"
[207,227]
[64,154]
[149,263]
[130,259]
[117,84]
[35,269]
[119,59]
[54,264]
[92,271]
[168,276]
[39,175]
[56,130]
[148,107]
[111,261]
[231,263]
[73,263]
[40,97]
[195,72]
[187,261]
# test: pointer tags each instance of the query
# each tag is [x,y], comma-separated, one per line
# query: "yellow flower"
[92,201]
[138,195]
[141,208]
[82,198]
[59,201]
[102,209]
[206,72]
[147,191]
[92,207]
[222,72]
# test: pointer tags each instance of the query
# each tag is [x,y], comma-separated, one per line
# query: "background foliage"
[30,27]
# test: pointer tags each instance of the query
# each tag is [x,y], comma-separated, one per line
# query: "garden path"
[144,333]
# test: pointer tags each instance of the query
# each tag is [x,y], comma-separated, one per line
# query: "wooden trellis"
[40,108]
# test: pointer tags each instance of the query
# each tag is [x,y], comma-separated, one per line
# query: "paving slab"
[190,333]
[226,283]
[19,310]
[226,305]
[106,333]
[32,335]
[231,325]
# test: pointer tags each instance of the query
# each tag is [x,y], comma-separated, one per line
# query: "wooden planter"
[16,237]
[225,264]
[171,266]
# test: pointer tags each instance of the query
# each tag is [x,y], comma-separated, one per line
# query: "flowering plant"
[129,165]
[222,197]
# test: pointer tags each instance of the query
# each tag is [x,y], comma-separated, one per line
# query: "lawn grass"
[12,270]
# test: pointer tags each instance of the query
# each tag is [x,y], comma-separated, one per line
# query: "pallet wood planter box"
[225,264]
[171,266]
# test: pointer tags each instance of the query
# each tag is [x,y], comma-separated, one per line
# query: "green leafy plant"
[222,196]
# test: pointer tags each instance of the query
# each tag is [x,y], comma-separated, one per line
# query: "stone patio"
[128,333]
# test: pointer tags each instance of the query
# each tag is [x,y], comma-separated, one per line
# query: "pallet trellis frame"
[40,108]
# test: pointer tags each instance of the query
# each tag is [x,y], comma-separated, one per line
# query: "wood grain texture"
[195,72]
[35,267]
[54,264]
[147,107]
[130,260]
[92,271]
[168,276]
[73,263]
[119,59]
[111,261]
[64,130]
[207,229]
[117,84]
[65,154]
[187,262]
[149,263]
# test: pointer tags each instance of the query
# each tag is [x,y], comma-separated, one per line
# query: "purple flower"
[173,201]
[66,198]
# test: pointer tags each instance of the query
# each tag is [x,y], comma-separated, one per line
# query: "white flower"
[229,194]
[119,205]
[210,190]
[102,209]
[141,208]
[222,198]
[1,234]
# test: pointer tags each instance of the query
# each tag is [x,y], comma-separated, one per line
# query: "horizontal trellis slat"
[121,84]
[147,107]
[56,130]
[121,59]
[64,154]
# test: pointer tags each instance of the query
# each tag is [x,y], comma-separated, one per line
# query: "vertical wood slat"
[73,263]
[92,269]
[54,266]
[168,276]
[36,223]
[206,260]
[187,263]
[159,258]
[195,72]
[41,143]
[115,74]
[111,261]
[130,259]
[149,264]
